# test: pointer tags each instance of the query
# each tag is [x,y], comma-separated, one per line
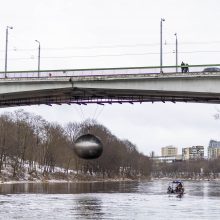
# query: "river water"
[112,200]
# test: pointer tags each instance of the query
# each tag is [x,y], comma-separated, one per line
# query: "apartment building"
[213,149]
[193,153]
[169,151]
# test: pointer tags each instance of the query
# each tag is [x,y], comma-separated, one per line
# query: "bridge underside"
[84,96]
[194,88]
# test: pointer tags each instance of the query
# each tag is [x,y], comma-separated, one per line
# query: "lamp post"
[161,42]
[6,49]
[38,58]
[176,52]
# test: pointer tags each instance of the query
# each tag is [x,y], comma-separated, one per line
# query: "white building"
[193,153]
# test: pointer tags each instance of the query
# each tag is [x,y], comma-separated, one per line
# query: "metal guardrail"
[109,71]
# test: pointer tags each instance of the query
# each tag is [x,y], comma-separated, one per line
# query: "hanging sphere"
[88,146]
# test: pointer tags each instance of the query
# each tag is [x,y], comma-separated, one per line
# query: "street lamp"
[176,53]
[38,58]
[161,42]
[6,49]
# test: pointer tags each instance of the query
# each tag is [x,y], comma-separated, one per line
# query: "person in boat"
[175,187]
[179,188]
[170,190]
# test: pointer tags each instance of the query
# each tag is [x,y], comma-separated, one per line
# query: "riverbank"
[186,179]
[67,180]
[39,175]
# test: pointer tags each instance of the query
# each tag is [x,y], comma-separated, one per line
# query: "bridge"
[110,85]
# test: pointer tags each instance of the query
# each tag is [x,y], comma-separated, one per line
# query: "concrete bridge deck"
[108,86]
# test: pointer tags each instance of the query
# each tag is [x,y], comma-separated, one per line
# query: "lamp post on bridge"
[176,53]
[6,49]
[38,74]
[161,44]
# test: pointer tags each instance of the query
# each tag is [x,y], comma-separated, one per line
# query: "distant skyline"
[118,33]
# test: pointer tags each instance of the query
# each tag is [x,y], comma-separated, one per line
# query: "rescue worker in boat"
[170,189]
[179,187]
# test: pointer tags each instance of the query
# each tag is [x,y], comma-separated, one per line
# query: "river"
[109,200]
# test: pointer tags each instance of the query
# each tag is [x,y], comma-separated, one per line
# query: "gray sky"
[118,33]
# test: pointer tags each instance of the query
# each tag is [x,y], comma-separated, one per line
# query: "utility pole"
[176,53]
[161,44]
[6,49]
[38,74]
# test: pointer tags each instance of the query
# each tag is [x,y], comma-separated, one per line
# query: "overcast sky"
[118,33]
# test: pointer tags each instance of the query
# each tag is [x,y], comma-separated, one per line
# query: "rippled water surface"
[115,200]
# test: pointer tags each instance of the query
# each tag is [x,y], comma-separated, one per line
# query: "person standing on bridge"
[182,67]
[186,68]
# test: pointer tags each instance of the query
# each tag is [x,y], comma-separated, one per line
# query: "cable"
[202,51]
[99,113]
[95,112]
[88,47]
[117,55]
[83,116]
[79,112]
[85,47]
[114,46]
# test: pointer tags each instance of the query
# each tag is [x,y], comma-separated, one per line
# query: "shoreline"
[76,181]
[66,181]
[185,179]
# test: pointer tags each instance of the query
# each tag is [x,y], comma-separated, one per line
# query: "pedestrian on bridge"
[182,67]
[186,68]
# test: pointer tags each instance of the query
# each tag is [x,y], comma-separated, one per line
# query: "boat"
[175,187]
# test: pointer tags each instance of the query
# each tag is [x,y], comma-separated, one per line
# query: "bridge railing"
[112,71]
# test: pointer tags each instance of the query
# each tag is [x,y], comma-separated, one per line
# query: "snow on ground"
[35,174]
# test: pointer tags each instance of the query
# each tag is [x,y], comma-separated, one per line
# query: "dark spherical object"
[88,146]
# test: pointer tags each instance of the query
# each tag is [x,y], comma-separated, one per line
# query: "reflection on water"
[88,206]
[203,188]
[73,188]
[112,200]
